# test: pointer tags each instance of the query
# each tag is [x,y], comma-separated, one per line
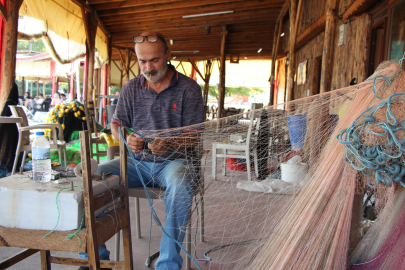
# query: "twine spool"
[94,167]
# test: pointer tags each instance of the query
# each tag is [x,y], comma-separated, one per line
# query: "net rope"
[302,221]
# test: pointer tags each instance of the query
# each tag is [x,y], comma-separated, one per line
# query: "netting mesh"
[254,220]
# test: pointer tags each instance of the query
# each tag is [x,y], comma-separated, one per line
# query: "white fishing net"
[278,193]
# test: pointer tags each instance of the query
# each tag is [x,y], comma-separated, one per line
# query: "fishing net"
[278,187]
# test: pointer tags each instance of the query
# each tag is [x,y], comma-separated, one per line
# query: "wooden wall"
[349,60]
[311,11]
[310,51]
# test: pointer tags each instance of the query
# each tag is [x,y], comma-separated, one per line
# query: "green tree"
[33,45]
[236,90]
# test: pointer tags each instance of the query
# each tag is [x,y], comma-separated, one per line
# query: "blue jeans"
[176,177]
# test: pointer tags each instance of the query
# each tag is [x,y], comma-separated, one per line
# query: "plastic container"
[41,158]
[293,173]
[297,128]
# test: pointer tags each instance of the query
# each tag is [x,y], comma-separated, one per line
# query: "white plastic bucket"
[293,173]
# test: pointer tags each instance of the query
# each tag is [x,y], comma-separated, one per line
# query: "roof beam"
[88,9]
[236,7]
[155,4]
[194,22]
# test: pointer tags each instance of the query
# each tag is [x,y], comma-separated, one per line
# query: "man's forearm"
[114,131]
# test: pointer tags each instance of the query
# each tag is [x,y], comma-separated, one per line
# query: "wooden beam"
[9,50]
[91,236]
[130,6]
[252,15]
[327,52]
[196,68]
[3,12]
[128,63]
[221,94]
[149,12]
[208,66]
[90,51]
[312,31]
[276,41]
[291,67]
[357,7]
[117,66]
[284,10]
[17,258]
[297,21]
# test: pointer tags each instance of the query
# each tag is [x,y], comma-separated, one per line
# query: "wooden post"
[43,88]
[276,42]
[207,70]
[32,87]
[291,67]
[327,52]
[86,60]
[128,63]
[23,86]
[91,236]
[9,49]
[37,83]
[126,232]
[92,30]
[221,90]
[108,79]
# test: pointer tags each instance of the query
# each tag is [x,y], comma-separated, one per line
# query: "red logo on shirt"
[174,107]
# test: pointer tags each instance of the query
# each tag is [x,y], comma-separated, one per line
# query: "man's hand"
[158,146]
[135,143]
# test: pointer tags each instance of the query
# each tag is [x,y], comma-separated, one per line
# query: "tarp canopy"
[60,24]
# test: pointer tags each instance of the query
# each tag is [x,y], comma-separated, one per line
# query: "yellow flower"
[29,155]
[66,111]
[78,113]
[63,126]
[75,114]
[81,108]
[57,106]
[74,108]
[84,118]
[53,116]
[60,115]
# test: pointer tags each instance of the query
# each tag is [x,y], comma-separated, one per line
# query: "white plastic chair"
[238,150]
[24,137]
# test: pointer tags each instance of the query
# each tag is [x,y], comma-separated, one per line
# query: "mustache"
[150,72]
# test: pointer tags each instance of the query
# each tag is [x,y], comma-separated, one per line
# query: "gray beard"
[160,74]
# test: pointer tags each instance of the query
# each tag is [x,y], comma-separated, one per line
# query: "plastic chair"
[110,112]
[156,193]
[24,137]
[238,150]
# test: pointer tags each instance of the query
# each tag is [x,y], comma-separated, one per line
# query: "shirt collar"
[143,83]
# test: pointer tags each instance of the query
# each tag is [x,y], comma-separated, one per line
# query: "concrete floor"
[231,215]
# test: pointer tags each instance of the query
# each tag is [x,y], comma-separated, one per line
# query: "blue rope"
[375,158]
[374,83]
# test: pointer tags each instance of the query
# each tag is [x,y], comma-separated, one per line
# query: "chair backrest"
[19,112]
[110,112]
[90,116]
[254,125]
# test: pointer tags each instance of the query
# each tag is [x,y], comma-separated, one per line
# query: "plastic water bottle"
[41,158]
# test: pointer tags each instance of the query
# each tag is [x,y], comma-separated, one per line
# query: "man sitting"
[160,99]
